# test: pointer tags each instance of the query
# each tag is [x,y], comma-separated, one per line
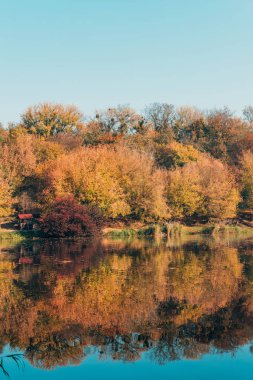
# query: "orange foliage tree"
[205,188]
[120,181]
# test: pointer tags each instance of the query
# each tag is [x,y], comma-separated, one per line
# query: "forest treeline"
[165,164]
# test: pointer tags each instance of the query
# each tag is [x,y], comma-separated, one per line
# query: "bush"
[67,218]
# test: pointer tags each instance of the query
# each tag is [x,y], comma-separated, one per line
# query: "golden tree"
[6,200]
[120,181]
[50,119]
[205,188]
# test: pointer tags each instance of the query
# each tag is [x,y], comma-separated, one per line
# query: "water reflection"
[59,302]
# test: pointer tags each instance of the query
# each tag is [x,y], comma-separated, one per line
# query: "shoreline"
[138,230]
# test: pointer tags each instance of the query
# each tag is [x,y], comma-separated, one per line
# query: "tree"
[120,181]
[51,119]
[6,200]
[246,178]
[161,115]
[17,158]
[217,132]
[67,218]
[205,188]
[143,185]
[220,190]
[175,154]
[184,195]
[45,150]
[222,130]
[90,175]
[184,117]
[119,120]
[193,133]
[96,134]
[248,114]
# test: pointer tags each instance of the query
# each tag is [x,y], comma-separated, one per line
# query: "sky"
[102,53]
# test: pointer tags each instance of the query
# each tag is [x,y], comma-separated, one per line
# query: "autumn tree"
[223,132]
[246,178]
[216,132]
[119,120]
[51,119]
[205,188]
[21,158]
[175,154]
[120,181]
[6,199]
[17,158]
[45,150]
[95,134]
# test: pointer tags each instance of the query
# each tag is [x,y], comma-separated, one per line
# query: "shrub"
[67,218]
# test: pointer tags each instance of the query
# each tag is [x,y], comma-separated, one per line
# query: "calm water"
[121,310]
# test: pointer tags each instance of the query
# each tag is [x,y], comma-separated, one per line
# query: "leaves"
[66,218]
[50,119]
[205,188]
[6,199]
[144,167]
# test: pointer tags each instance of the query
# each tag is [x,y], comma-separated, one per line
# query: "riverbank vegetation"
[165,165]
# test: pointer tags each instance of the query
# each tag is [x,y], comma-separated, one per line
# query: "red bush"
[67,218]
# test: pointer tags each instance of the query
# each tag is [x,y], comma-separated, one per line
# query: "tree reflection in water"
[61,301]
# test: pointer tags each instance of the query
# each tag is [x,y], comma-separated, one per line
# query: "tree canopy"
[165,163]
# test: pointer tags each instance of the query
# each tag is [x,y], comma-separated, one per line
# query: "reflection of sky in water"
[178,309]
[213,367]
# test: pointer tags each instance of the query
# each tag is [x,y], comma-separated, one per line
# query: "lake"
[137,309]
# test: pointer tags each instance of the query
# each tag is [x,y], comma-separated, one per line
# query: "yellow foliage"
[182,154]
[175,154]
[6,200]
[50,119]
[118,180]
[205,188]
[17,158]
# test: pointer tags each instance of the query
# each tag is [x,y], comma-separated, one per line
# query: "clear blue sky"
[99,53]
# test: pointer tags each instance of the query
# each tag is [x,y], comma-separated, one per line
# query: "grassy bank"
[17,236]
[213,229]
[138,230]
[175,229]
